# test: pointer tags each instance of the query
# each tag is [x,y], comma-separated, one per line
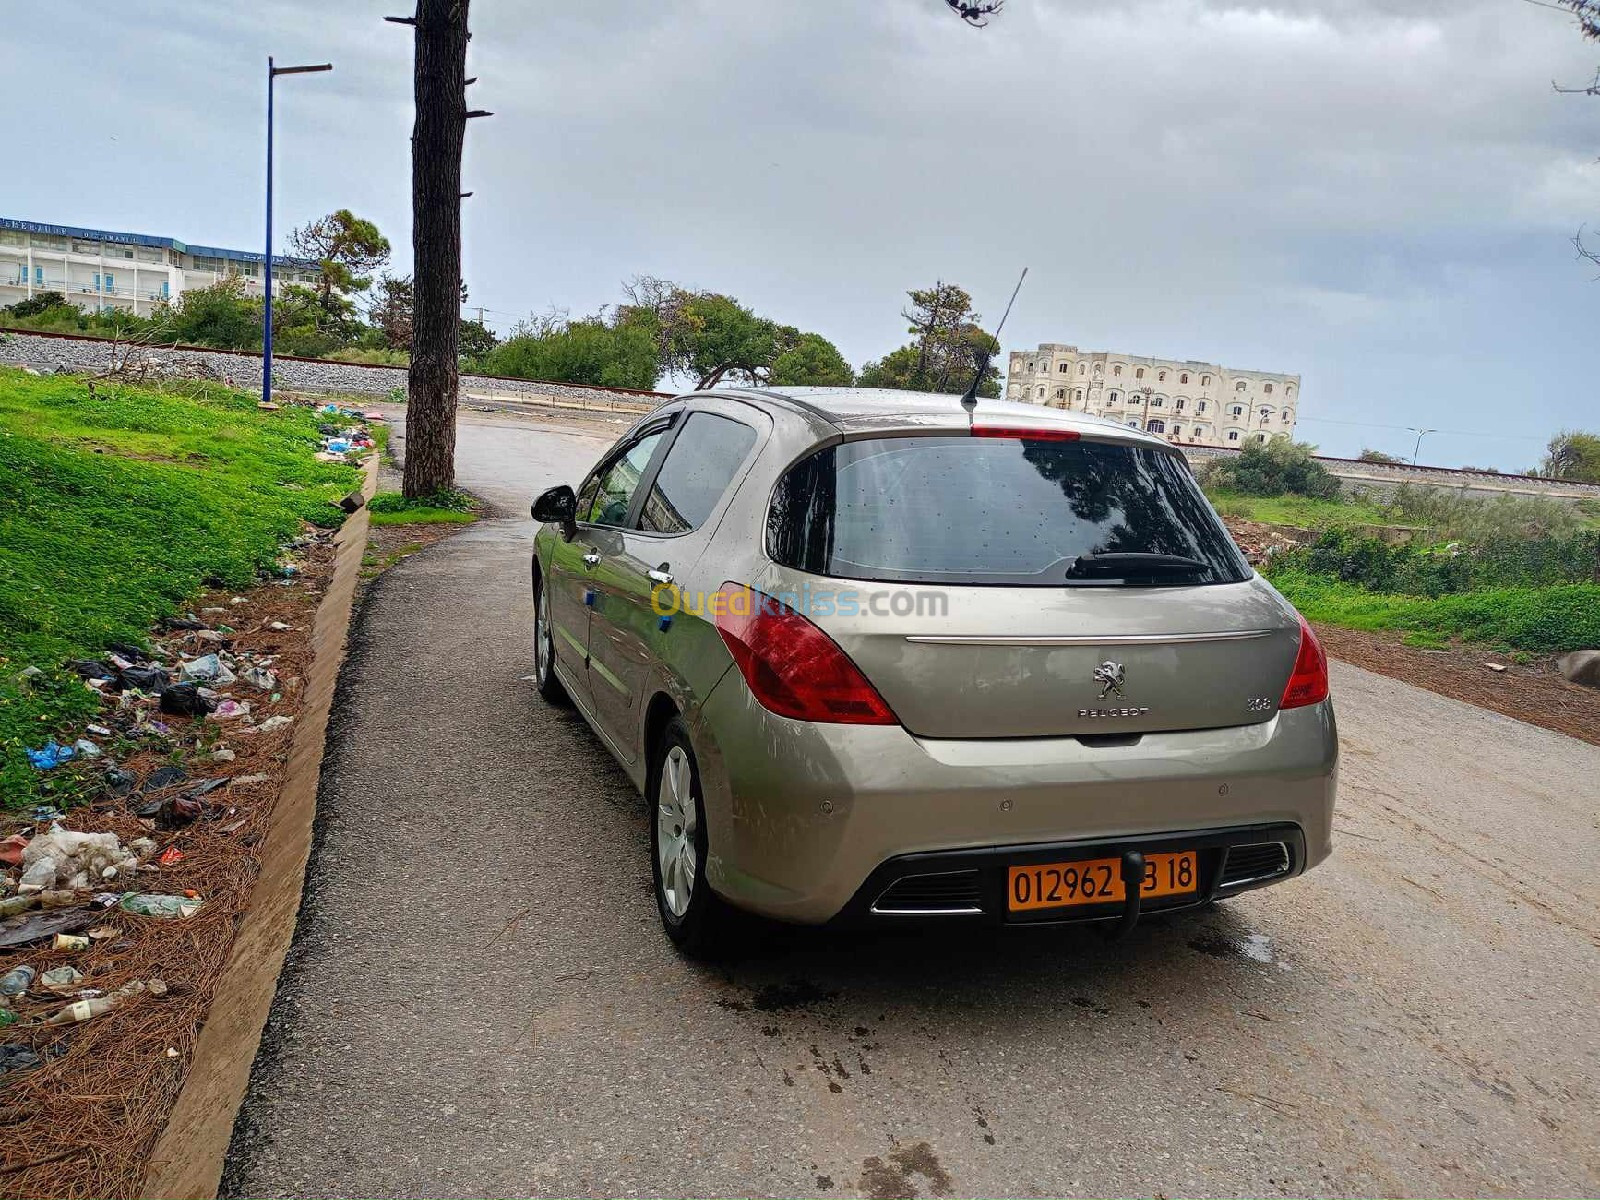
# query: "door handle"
[591,560]
[660,575]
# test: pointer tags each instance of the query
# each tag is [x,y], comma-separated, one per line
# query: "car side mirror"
[560,504]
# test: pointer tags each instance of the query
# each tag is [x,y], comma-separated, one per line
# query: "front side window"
[703,461]
[1002,510]
[613,488]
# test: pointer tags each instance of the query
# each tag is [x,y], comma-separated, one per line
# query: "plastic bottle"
[17,981]
[84,1010]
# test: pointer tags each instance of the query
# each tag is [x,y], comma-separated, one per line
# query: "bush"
[1452,516]
[1279,467]
[1413,570]
[587,351]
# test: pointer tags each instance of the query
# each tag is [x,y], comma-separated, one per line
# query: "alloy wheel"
[677,822]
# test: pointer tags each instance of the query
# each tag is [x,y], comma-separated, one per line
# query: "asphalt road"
[480,1002]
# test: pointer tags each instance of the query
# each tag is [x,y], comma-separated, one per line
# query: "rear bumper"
[971,884]
[803,818]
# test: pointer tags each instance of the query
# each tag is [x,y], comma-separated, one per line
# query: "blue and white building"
[98,269]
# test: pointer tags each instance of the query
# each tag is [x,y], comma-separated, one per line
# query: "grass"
[442,508]
[1542,620]
[1302,511]
[423,516]
[118,506]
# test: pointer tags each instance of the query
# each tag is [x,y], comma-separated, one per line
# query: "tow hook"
[1132,885]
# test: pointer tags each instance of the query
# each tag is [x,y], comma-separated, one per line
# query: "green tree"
[948,344]
[1572,454]
[477,340]
[346,249]
[811,361]
[390,311]
[1377,456]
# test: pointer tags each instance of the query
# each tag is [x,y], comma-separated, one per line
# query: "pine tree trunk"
[436,138]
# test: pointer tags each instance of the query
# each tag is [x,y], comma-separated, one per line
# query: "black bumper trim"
[991,862]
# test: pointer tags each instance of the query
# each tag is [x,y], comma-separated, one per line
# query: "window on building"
[1261,437]
[97,281]
[1200,406]
[80,246]
[1077,395]
[1183,379]
[1288,416]
[1139,374]
[1081,367]
[1233,435]
[1157,401]
[1265,413]
[1117,370]
[166,290]
[1064,368]
[1237,410]
[38,277]
[1239,387]
[1133,424]
[1267,388]
[1041,390]
[1161,377]
[1205,381]
[1179,403]
[1099,368]
[1155,425]
[1177,431]
[1111,398]
[110,282]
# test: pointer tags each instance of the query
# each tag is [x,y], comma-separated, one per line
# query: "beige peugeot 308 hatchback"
[873,657]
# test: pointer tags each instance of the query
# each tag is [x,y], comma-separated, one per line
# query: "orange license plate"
[1097,881]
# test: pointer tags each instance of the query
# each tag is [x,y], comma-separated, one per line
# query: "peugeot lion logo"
[1109,676]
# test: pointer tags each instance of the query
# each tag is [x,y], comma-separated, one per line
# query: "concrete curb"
[188,1156]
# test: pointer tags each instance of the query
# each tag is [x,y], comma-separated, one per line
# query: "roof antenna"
[969,399]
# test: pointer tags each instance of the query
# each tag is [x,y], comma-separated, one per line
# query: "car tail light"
[1033,435]
[791,666]
[1308,684]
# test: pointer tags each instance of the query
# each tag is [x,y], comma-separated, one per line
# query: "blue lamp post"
[266,333]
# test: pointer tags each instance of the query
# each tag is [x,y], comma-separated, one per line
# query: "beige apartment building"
[1192,403]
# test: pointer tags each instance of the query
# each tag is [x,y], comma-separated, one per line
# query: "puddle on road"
[1255,946]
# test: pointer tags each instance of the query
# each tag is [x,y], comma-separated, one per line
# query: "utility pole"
[440,87]
[266,323]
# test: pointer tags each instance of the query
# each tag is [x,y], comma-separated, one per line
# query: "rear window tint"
[1012,511]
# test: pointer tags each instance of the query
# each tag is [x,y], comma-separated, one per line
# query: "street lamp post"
[266,333]
[1417,449]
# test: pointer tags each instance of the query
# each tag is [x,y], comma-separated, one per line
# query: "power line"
[1412,429]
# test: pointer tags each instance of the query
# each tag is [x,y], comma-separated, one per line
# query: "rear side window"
[1012,511]
[698,469]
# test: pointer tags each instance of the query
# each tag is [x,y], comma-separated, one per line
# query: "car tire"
[544,648]
[695,918]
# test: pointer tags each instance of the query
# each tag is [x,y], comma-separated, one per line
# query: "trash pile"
[341,440]
[1260,541]
[62,892]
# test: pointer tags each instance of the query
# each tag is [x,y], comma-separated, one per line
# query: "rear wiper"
[1126,563]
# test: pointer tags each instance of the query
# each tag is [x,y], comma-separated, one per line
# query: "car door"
[604,502]
[673,519]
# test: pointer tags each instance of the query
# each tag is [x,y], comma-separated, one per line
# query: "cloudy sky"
[1377,194]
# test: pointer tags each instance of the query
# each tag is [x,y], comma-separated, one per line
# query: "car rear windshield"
[1012,511]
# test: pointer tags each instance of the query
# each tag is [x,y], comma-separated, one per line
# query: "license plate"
[1097,881]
